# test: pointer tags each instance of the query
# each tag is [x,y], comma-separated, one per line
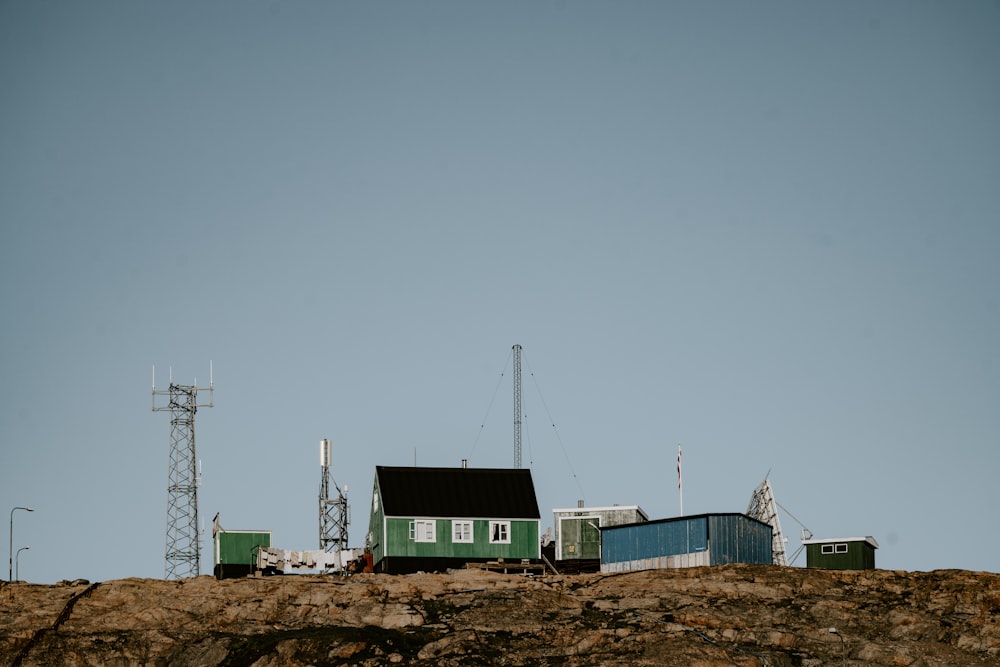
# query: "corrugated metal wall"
[698,559]
[654,540]
[734,538]
[712,539]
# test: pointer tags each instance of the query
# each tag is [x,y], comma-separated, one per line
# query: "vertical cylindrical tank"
[325,453]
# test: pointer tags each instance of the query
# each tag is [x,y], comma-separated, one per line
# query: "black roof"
[483,493]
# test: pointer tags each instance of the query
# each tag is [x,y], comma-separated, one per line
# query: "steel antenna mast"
[764,508]
[334,515]
[517,406]
[183,553]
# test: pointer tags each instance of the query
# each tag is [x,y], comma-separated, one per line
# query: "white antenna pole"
[680,483]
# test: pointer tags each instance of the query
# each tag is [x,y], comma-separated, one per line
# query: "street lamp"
[10,574]
[843,644]
[17,563]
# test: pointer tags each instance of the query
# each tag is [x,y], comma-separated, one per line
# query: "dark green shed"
[841,553]
[236,551]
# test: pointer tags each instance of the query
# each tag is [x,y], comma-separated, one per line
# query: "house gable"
[431,518]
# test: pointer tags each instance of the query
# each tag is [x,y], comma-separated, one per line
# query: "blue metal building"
[688,541]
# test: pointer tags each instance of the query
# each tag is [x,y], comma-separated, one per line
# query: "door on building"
[580,537]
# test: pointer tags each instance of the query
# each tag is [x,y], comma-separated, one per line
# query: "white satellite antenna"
[764,508]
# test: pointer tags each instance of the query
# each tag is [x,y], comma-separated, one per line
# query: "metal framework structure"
[763,507]
[183,550]
[334,514]
[517,406]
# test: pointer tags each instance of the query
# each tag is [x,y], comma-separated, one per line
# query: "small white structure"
[578,529]
[286,560]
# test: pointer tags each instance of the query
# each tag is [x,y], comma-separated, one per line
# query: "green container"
[843,553]
[239,547]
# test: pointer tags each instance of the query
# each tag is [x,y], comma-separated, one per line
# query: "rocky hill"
[732,615]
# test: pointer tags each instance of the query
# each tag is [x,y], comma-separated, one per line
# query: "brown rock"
[728,615]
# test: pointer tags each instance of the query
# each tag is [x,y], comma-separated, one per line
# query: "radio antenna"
[183,552]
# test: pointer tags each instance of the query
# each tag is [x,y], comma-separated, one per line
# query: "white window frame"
[826,549]
[461,532]
[841,548]
[499,532]
[423,530]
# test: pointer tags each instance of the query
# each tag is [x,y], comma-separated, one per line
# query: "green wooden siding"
[524,542]
[376,540]
[859,556]
[237,548]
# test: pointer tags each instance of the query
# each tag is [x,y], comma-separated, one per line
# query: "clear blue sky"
[768,231]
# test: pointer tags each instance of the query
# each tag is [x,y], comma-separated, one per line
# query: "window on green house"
[841,549]
[422,531]
[461,531]
[499,532]
[826,549]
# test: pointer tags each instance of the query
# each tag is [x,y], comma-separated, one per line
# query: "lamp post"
[10,574]
[843,644]
[17,563]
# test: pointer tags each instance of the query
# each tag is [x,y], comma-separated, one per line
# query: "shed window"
[461,531]
[827,549]
[499,532]
[422,531]
[841,549]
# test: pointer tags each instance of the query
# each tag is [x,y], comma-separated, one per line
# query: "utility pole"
[183,551]
[333,512]
[517,406]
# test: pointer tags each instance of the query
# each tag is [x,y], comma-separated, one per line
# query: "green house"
[841,553]
[430,519]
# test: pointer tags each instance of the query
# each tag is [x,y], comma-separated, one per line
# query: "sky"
[768,232]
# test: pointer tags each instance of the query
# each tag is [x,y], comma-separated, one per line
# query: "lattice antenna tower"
[517,406]
[183,552]
[334,513]
[763,507]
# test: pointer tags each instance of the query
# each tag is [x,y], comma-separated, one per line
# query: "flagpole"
[680,484]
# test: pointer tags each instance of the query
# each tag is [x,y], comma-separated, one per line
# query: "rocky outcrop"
[732,615]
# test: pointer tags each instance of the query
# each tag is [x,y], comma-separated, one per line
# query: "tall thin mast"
[517,406]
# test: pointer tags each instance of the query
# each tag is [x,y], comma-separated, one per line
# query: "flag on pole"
[680,486]
[679,467]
